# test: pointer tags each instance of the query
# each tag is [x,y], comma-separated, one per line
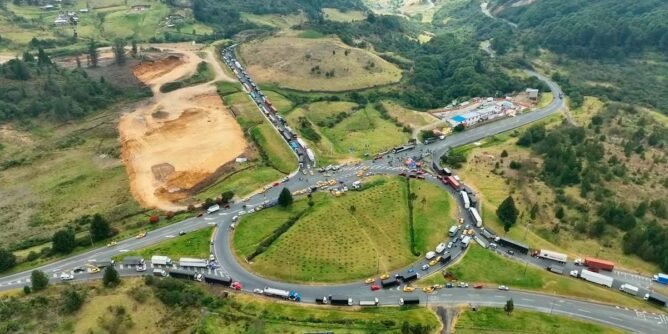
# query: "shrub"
[154,219]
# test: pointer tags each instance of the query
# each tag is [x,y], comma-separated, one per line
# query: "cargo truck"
[133,261]
[655,299]
[550,255]
[285,294]
[465,199]
[161,260]
[599,264]
[661,278]
[409,301]
[410,277]
[185,274]
[195,263]
[340,300]
[597,278]
[556,269]
[310,154]
[475,216]
[373,302]
[453,230]
[389,283]
[466,241]
[630,289]
[522,248]
[487,234]
[452,182]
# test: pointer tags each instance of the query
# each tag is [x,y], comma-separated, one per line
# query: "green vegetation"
[484,266]
[278,154]
[203,74]
[193,244]
[493,320]
[349,237]
[242,182]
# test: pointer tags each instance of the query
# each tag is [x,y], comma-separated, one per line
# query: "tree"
[510,306]
[119,50]
[28,57]
[39,280]
[459,128]
[42,58]
[504,153]
[110,278]
[99,228]
[72,300]
[285,198]
[27,290]
[7,260]
[93,56]
[64,241]
[560,212]
[134,50]
[507,212]
[227,196]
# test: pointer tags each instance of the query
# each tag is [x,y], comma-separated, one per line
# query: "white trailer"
[310,154]
[630,289]
[276,293]
[236,63]
[465,198]
[191,262]
[373,302]
[162,260]
[302,143]
[554,256]
[596,278]
[476,216]
[466,241]
[480,241]
[265,110]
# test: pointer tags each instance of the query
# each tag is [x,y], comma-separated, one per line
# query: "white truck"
[554,256]
[596,278]
[480,241]
[191,262]
[630,289]
[466,241]
[476,216]
[161,260]
[373,302]
[465,198]
[453,230]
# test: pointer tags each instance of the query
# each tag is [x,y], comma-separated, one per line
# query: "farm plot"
[341,239]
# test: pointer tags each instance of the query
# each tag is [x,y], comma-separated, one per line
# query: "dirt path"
[179,139]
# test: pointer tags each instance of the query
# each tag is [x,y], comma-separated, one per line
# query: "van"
[235,218]
[159,272]
[430,255]
[440,248]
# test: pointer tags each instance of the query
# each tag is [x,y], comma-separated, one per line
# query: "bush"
[111,277]
[154,219]
[39,280]
[515,165]
[7,260]
[64,241]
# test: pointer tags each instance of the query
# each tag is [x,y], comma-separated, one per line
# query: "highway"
[390,164]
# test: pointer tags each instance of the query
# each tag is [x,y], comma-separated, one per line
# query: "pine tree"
[510,306]
[285,198]
[507,212]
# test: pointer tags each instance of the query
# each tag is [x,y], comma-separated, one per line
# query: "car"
[437,286]
[384,276]
[375,287]
[235,218]
[428,289]
[408,288]
[93,269]
[285,179]
[212,257]
[258,291]
[493,245]
[112,243]
[241,213]
[141,268]
[425,267]
[411,270]
[182,232]
[435,261]
[440,248]
[79,270]
[141,235]
[370,280]
[463,285]
[200,214]
[402,174]
[275,184]
[503,288]
[449,285]
[236,285]
[66,276]
[449,245]
[478,286]
[511,252]
[430,255]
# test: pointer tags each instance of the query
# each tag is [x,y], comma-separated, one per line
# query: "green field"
[432,215]
[483,266]
[279,154]
[495,320]
[242,183]
[193,244]
[343,238]
[333,14]
[363,132]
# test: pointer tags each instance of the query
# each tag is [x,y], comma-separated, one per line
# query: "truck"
[237,65]
[597,278]
[409,301]
[550,255]
[285,294]
[522,248]
[599,264]
[655,299]
[452,182]
[185,274]
[630,289]
[133,261]
[466,241]
[660,278]
[389,283]
[556,269]
[101,263]
[310,154]
[159,272]
[487,234]
[465,199]
[191,262]
[453,230]
[161,260]
[480,241]
[475,216]
[373,302]
[213,208]
[341,300]
[302,143]
[211,279]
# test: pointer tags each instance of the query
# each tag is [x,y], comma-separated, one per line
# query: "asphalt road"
[621,317]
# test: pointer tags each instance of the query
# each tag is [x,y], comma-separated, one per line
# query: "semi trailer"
[161,260]
[597,278]
[373,302]
[522,248]
[285,294]
[191,262]
[556,269]
[630,289]
[475,216]
[409,301]
[341,300]
[599,264]
[660,278]
[465,199]
[550,255]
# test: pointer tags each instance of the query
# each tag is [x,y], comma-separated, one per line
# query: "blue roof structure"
[458,118]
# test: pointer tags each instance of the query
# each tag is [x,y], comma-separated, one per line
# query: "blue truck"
[661,278]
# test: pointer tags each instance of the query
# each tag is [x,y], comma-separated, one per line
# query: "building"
[485,112]
[533,93]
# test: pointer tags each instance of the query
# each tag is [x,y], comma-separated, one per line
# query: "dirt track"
[177,139]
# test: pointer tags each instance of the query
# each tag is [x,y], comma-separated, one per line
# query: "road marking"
[209,218]
[583,311]
[615,318]
[526,299]
[497,296]
[124,250]
[211,223]
[169,236]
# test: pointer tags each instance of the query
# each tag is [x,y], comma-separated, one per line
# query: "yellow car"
[359,174]
[384,276]
[370,280]
[435,261]
[428,289]
[408,288]
[93,269]
[332,182]
[141,235]
[113,243]
[461,220]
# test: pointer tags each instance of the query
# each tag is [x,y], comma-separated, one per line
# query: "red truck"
[452,182]
[599,264]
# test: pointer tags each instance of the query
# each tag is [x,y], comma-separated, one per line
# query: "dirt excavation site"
[179,140]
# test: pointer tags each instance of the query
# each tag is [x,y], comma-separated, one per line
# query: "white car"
[235,218]
[430,255]
[440,248]
[66,276]
[449,244]
[212,257]
[141,268]
[503,288]
[425,267]
[258,291]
